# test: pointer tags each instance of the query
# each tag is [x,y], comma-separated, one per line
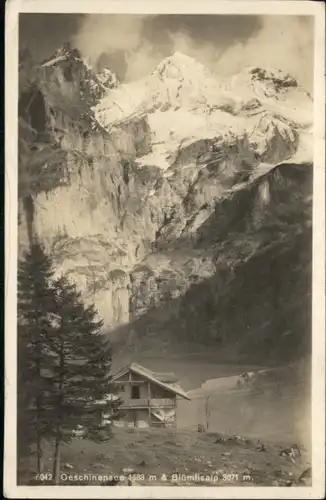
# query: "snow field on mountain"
[184,102]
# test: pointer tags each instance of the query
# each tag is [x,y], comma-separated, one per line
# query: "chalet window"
[135,392]
[122,388]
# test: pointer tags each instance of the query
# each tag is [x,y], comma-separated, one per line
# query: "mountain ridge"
[148,187]
[182,76]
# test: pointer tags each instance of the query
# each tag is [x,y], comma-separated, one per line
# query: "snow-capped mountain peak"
[182,67]
[183,102]
[63,53]
[179,81]
[76,71]
[276,78]
[269,85]
[169,194]
[108,78]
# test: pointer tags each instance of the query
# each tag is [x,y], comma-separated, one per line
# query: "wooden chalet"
[149,399]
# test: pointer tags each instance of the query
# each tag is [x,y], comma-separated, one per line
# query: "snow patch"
[185,102]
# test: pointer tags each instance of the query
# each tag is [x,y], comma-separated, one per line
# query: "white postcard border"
[282,7]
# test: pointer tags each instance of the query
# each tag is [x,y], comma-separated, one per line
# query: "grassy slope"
[167,451]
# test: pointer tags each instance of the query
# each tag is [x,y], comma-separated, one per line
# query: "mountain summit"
[181,82]
[181,67]
[76,71]
[168,199]
[185,102]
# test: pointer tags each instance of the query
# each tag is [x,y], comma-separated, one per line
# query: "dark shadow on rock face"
[32,108]
[287,189]
[257,306]
[261,314]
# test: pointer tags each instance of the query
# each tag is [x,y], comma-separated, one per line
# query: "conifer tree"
[79,371]
[35,304]
[64,367]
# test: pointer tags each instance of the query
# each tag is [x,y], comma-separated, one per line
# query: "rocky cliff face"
[174,202]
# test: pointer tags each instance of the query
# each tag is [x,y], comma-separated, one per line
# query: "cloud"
[142,41]
[142,62]
[109,34]
[132,45]
[224,43]
[284,42]
[42,34]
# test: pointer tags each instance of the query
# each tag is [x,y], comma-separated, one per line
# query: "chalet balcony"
[146,403]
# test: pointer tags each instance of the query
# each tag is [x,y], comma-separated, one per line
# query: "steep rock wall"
[159,248]
[250,289]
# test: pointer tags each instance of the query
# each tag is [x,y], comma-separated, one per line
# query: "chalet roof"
[152,376]
[166,377]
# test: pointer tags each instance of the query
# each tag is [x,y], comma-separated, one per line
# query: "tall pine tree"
[79,371]
[35,305]
[64,367]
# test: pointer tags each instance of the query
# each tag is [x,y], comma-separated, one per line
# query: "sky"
[132,45]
